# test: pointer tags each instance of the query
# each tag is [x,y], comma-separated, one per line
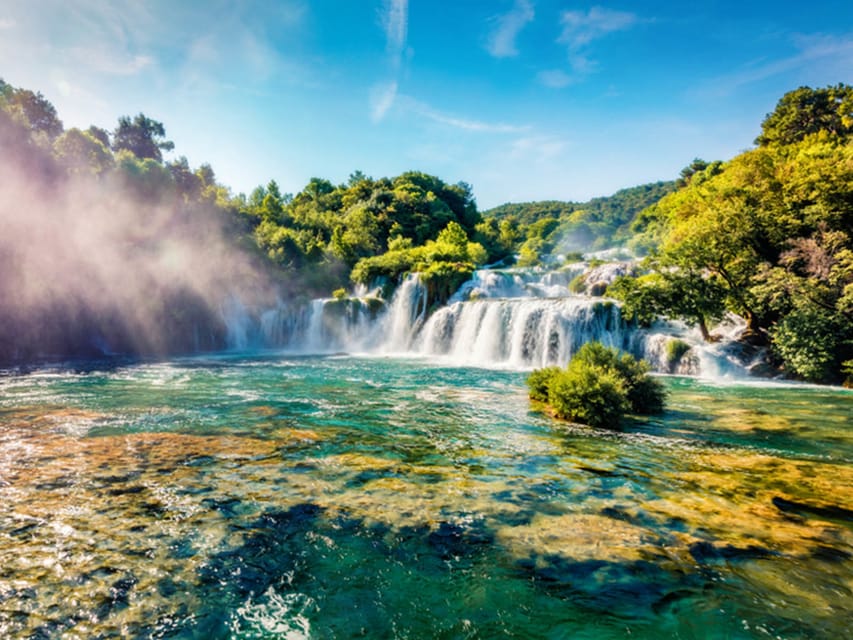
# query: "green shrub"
[339,294]
[675,350]
[578,284]
[645,394]
[807,343]
[539,381]
[598,387]
[588,394]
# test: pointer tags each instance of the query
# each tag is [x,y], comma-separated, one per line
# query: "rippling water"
[267,497]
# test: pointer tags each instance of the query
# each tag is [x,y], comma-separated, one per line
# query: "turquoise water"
[278,497]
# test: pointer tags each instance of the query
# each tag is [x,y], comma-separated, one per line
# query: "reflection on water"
[338,497]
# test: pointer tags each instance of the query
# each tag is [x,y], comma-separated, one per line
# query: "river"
[273,496]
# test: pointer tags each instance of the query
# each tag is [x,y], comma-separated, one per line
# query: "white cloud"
[581,29]
[463,124]
[7,23]
[554,78]
[381,100]
[111,62]
[395,23]
[832,54]
[538,148]
[501,42]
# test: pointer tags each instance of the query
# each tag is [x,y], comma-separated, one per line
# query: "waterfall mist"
[88,265]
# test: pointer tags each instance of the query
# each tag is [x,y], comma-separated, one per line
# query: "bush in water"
[598,387]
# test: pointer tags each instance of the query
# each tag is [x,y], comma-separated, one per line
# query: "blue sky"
[523,99]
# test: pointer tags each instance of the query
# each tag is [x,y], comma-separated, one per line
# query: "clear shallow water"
[270,497]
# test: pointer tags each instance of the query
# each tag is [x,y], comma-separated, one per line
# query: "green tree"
[101,135]
[142,136]
[80,152]
[39,112]
[806,111]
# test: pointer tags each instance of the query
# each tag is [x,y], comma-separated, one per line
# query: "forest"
[153,242]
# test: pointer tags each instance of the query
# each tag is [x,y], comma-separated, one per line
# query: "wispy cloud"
[395,24]
[581,29]
[111,62]
[501,42]
[539,148]
[814,49]
[460,123]
[382,98]
[554,78]
[395,21]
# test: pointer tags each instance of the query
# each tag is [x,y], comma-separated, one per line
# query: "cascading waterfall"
[523,332]
[517,318]
[404,319]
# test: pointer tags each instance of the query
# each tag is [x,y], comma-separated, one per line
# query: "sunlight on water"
[267,497]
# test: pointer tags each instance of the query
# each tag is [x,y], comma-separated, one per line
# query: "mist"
[89,266]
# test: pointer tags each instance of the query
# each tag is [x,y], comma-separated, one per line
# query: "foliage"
[598,387]
[588,394]
[81,152]
[539,381]
[765,236]
[645,394]
[367,228]
[675,351]
[445,263]
[806,111]
[597,224]
[142,136]
[847,370]
[807,341]
[33,110]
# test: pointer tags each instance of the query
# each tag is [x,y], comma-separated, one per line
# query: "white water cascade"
[518,318]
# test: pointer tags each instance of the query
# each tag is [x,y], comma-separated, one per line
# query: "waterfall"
[516,318]
[523,332]
[404,318]
[238,323]
[325,325]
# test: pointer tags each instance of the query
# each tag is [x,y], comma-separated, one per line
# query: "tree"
[142,136]
[101,135]
[805,111]
[682,294]
[188,184]
[689,171]
[39,112]
[80,152]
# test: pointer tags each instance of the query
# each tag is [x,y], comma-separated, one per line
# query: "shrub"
[847,370]
[645,394]
[588,394]
[675,350]
[598,387]
[539,381]
[578,284]
[807,343]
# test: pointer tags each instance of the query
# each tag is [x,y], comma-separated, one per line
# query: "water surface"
[337,497]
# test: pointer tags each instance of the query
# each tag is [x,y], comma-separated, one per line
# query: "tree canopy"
[767,236]
[142,136]
[805,111]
